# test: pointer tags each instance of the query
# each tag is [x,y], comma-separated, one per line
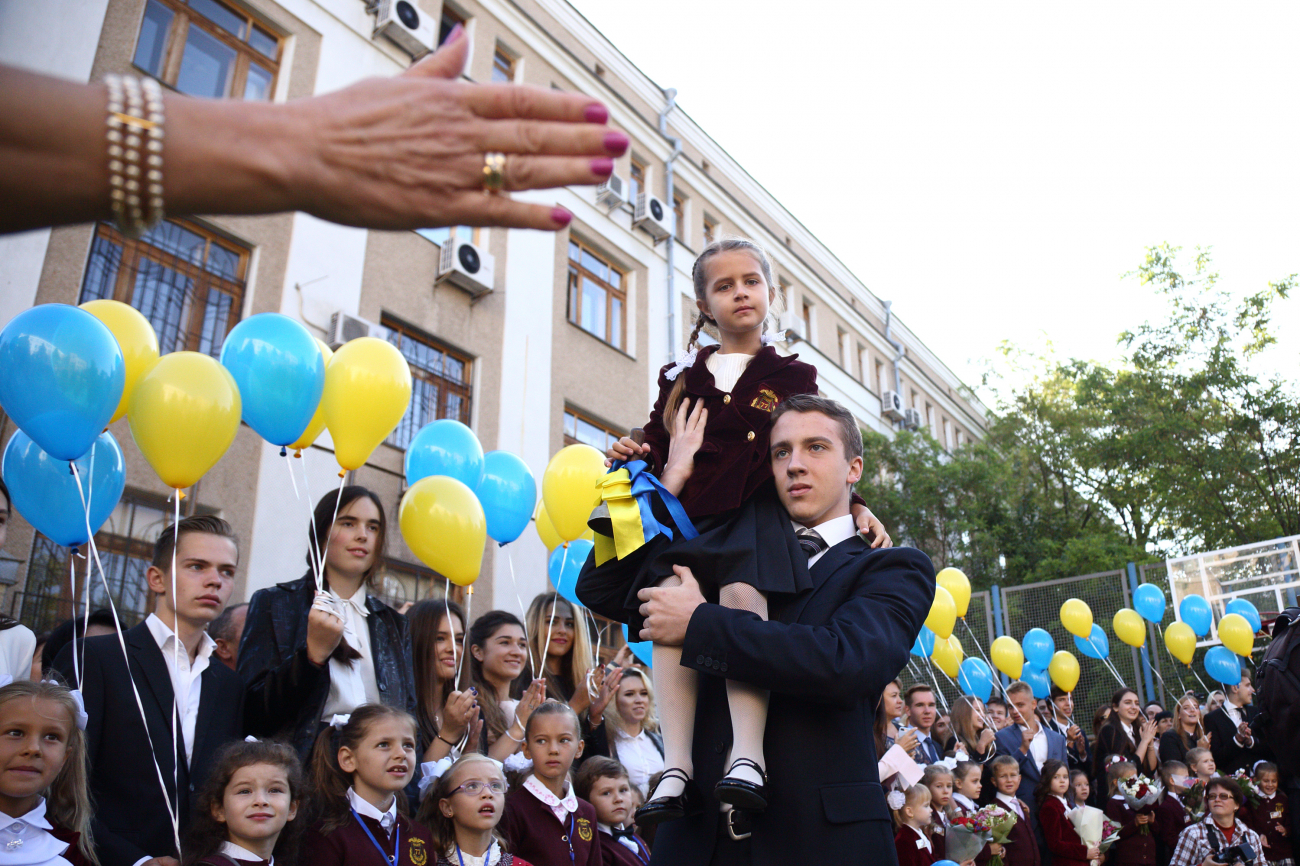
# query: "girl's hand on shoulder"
[870,527]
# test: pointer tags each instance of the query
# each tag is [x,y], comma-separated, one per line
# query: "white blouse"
[639,755]
[727,369]
[27,841]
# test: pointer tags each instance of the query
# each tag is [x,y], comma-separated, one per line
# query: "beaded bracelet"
[135,134]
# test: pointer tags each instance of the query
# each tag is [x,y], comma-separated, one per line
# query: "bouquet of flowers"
[1194,799]
[1248,790]
[1095,830]
[1141,795]
[972,832]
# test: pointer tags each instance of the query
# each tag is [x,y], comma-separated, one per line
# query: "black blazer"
[286,691]
[131,818]
[1228,756]
[825,656]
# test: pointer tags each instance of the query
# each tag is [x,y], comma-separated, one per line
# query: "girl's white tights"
[675,688]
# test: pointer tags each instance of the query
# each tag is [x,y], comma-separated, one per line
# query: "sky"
[995,168]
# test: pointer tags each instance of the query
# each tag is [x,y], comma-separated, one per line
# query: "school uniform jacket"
[824,656]
[1008,741]
[350,846]
[1021,848]
[534,833]
[1063,843]
[615,853]
[1171,820]
[1265,817]
[131,819]
[1132,848]
[1229,755]
[912,848]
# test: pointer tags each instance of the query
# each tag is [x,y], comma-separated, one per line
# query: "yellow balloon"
[1007,656]
[569,489]
[136,337]
[1130,627]
[184,415]
[317,422]
[947,655]
[943,614]
[1236,634]
[546,530]
[954,580]
[367,391]
[1181,641]
[443,524]
[1076,616]
[1064,670]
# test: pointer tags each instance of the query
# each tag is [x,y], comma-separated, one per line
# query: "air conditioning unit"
[891,405]
[612,192]
[465,266]
[345,327]
[651,215]
[912,418]
[792,326]
[402,22]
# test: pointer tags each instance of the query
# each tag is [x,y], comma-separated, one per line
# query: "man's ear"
[855,470]
[157,580]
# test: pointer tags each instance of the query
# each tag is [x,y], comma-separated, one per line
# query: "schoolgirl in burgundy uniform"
[1171,815]
[1133,847]
[913,816]
[246,811]
[546,822]
[1053,796]
[723,399]
[604,783]
[359,807]
[1269,817]
[463,809]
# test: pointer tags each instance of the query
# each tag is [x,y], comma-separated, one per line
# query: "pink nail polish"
[603,166]
[616,143]
[561,216]
[454,34]
[596,113]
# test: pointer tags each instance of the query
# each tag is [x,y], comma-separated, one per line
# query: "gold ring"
[494,172]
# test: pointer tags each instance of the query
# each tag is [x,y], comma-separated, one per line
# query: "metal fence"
[975,631]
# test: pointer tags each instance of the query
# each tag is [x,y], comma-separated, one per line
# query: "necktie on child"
[810,541]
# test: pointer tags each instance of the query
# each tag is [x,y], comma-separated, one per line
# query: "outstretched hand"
[667,609]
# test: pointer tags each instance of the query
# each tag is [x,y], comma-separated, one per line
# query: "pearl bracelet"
[135,134]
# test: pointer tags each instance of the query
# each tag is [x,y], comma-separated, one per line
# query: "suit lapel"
[157,684]
[207,701]
[832,561]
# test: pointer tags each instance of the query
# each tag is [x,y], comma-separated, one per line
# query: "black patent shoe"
[685,805]
[742,794]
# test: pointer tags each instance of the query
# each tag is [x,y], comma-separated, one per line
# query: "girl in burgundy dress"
[359,808]
[912,817]
[1053,795]
[463,809]
[244,815]
[1133,847]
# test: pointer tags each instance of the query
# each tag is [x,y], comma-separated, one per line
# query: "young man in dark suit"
[181,682]
[825,656]
[1232,742]
[1029,741]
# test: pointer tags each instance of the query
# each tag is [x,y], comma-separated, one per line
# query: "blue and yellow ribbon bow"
[627,490]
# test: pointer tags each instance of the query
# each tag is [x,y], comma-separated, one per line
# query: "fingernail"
[603,166]
[596,113]
[561,216]
[616,143]
[454,34]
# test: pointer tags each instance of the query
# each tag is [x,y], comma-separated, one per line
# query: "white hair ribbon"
[340,719]
[684,362]
[896,800]
[82,718]
[430,771]
[251,739]
[517,763]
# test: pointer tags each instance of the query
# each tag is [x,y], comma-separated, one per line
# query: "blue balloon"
[280,373]
[944,863]
[1223,665]
[1039,647]
[445,447]
[508,493]
[640,649]
[1241,607]
[44,490]
[565,564]
[975,678]
[923,646]
[61,377]
[1195,611]
[1038,680]
[1096,646]
[1149,602]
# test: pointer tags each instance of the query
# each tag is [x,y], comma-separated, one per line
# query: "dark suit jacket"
[1228,756]
[1008,741]
[286,692]
[825,657]
[131,818]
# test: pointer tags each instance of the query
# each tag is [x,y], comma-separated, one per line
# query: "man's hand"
[668,609]
[908,741]
[1025,739]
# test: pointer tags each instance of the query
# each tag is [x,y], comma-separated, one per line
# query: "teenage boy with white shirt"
[132,823]
[1231,741]
[1028,741]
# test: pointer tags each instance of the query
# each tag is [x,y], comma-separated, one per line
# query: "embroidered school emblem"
[766,400]
[419,857]
[584,829]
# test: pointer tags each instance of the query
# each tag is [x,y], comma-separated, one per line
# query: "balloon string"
[320,554]
[564,560]
[997,680]
[85,506]
[313,549]
[469,611]
[135,691]
[1105,661]
[937,690]
[177,714]
[451,630]
[293,480]
[522,613]
[592,692]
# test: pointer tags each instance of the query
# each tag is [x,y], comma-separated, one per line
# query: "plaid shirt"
[1194,843]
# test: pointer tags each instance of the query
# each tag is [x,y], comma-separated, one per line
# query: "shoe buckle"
[731,826]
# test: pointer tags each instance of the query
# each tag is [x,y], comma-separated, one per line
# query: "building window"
[807,315]
[635,180]
[947,434]
[450,18]
[580,428]
[842,339]
[503,67]
[405,583]
[440,236]
[679,217]
[597,295]
[863,363]
[880,377]
[188,282]
[710,230]
[440,382]
[207,48]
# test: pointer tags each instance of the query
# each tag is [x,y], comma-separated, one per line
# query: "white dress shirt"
[967,803]
[833,531]
[26,841]
[354,684]
[639,755]
[366,809]
[238,852]
[727,369]
[561,807]
[1064,802]
[1237,716]
[187,683]
[1038,747]
[1011,803]
[622,840]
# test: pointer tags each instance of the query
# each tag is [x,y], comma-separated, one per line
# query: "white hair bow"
[896,800]
[340,719]
[82,718]
[684,362]
[430,771]
[518,763]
